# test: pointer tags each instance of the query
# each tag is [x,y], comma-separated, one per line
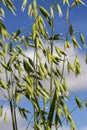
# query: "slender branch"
[35,88]
[13,102]
[76,107]
[9,98]
[29,123]
[12,115]
[66,38]
[52,42]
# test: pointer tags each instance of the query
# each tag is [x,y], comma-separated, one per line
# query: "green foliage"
[44,12]
[2,12]
[71,30]
[23,112]
[76,44]
[59,10]
[67,45]
[86,58]
[66,2]
[70,67]
[51,111]
[3,31]
[37,127]
[26,77]
[5,117]
[24,4]
[77,66]
[82,39]
[78,102]
[46,15]
[86,103]
[1,110]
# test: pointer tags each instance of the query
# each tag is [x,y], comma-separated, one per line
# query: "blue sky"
[78,18]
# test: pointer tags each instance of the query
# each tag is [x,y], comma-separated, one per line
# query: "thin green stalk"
[34,109]
[13,107]
[14,111]
[51,78]
[63,69]
[35,88]
[15,119]
[63,66]
[12,115]
[10,99]
[29,122]
[13,103]
[66,38]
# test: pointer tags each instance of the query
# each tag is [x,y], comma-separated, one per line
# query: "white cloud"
[29,53]
[74,83]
